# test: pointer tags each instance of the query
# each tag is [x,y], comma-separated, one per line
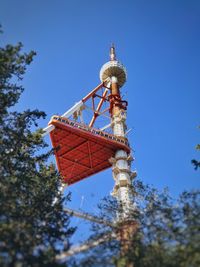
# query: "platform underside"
[81,151]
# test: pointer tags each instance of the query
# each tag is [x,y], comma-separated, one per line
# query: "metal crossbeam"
[83,247]
[88,217]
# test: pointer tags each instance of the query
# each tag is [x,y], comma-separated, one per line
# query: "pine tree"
[168,232]
[33,227]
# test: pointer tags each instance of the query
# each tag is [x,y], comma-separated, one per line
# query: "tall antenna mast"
[121,167]
[121,162]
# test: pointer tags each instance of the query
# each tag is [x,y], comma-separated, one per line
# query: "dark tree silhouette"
[33,226]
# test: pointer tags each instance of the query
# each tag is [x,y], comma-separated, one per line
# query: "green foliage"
[195,162]
[168,234]
[198,147]
[33,226]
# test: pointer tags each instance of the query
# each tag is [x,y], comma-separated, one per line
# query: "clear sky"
[157,41]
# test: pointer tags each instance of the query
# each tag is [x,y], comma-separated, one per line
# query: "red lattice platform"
[82,151]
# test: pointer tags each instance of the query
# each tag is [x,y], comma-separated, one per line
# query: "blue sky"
[157,41]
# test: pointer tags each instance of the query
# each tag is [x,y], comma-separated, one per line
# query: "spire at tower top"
[113,68]
[112,53]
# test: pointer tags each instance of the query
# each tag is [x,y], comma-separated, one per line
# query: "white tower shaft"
[121,168]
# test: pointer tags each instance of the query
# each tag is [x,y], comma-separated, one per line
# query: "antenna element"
[112,53]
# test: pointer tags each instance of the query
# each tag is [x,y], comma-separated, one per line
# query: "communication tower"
[81,149]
